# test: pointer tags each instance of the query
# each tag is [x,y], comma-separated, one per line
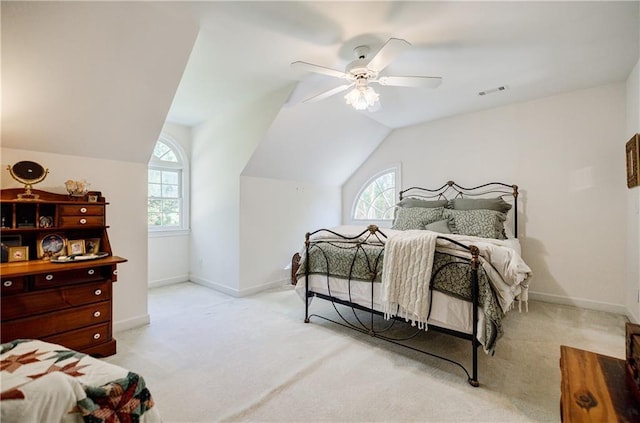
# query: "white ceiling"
[96,79]
[535,48]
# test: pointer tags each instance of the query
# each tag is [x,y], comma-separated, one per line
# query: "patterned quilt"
[451,275]
[44,382]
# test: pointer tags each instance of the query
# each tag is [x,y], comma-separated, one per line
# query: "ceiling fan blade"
[309,67]
[393,48]
[328,93]
[410,81]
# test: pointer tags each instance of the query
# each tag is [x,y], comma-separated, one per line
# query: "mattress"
[446,311]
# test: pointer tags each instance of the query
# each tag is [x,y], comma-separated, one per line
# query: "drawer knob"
[7,283]
[49,277]
[96,336]
[91,271]
[96,314]
[83,221]
[115,272]
[83,209]
[98,292]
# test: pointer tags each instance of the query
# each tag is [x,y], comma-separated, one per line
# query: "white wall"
[633,199]
[169,251]
[564,153]
[220,150]
[124,186]
[274,217]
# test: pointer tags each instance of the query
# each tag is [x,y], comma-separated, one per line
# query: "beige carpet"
[208,357]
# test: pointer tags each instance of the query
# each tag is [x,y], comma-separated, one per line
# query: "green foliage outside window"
[377,200]
[164,208]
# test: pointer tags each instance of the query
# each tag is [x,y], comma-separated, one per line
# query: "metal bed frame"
[373,235]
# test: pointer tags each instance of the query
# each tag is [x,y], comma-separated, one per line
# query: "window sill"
[161,233]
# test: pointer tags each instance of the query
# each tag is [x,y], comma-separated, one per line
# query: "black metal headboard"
[451,190]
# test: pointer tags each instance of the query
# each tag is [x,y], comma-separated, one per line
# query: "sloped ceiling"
[296,146]
[99,78]
[535,48]
[92,79]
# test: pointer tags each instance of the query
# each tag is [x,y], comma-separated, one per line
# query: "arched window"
[377,197]
[167,206]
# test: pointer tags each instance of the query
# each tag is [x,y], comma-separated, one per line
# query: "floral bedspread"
[44,382]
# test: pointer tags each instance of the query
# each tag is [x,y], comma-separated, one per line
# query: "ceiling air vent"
[493,90]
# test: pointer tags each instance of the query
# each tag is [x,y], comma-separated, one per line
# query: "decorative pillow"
[416,217]
[481,223]
[441,226]
[416,202]
[497,204]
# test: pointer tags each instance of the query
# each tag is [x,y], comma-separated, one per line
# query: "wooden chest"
[633,358]
[594,388]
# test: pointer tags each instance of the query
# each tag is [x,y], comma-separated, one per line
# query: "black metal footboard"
[366,265]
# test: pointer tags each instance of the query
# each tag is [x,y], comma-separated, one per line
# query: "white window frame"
[183,164]
[398,183]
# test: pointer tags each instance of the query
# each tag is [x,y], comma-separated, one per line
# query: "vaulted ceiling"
[535,48]
[99,78]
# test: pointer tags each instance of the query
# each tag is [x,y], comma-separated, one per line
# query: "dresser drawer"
[75,221]
[81,210]
[82,338]
[70,277]
[12,285]
[54,323]
[28,304]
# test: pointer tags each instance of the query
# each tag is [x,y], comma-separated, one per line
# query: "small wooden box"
[633,358]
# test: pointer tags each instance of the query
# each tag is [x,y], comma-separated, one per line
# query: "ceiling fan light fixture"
[362,97]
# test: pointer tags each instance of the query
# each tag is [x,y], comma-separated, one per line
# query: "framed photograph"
[51,245]
[18,253]
[92,246]
[75,247]
[93,196]
[633,161]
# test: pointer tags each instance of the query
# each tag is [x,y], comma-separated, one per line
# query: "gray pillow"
[441,226]
[497,204]
[416,217]
[481,223]
[416,202]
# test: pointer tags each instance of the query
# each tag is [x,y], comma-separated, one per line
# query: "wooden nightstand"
[594,388]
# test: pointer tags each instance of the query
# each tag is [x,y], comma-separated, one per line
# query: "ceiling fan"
[363,71]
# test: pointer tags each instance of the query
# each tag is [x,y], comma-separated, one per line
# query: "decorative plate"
[51,245]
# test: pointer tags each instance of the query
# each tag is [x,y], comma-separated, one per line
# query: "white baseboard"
[213,285]
[245,292]
[579,302]
[131,323]
[168,281]
[255,289]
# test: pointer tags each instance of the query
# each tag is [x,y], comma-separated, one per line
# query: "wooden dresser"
[67,303]
[594,388]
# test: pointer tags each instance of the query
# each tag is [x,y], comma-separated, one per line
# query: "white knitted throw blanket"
[406,274]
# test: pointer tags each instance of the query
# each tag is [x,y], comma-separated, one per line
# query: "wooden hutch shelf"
[68,303]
